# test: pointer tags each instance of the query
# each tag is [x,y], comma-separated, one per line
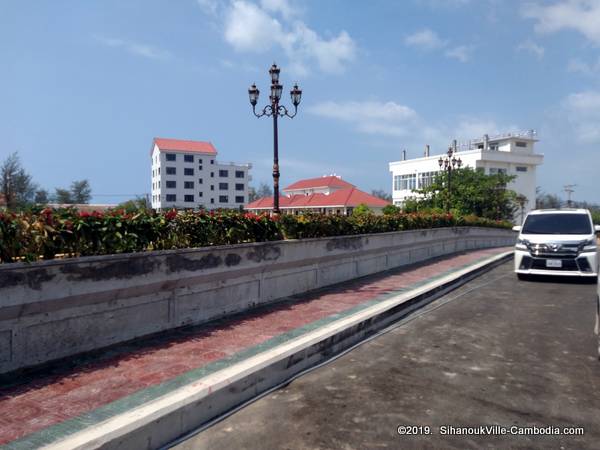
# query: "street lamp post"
[449,164]
[275,110]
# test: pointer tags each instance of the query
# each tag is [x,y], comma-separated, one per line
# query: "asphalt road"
[497,351]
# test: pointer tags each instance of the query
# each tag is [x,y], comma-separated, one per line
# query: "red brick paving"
[58,394]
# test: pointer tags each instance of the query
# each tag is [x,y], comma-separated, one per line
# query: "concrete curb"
[163,420]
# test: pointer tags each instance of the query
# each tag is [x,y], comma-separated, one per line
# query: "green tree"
[264,190]
[545,201]
[361,210]
[15,183]
[63,196]
[471,192]
[81,191]
[41,197]
[390,210]
[252,195]
[138,204]
[380,193]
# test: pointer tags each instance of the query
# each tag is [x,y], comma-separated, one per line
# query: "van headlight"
[522,244]
[589,245]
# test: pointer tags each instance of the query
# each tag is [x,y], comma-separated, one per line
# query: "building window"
[223,199]
[200,194]
[223,173]
[212,187]
[199,160]
[223,186]
[405,182]
[200,167]
[239,187]
[212,161]
[159,170]
[426,179]
[521,169]
[188,185]
[171,156]
[171,171]
[239,174]
[212,174]
[188,198]
[496,170]
[188,158]
[171,184]
[199,180]
[212,200]
[239,199]
[188,171]
[521,144]
[171,198]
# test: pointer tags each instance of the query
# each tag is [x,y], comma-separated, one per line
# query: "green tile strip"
[71,426]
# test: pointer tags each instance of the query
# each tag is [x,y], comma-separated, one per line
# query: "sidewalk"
[45,407]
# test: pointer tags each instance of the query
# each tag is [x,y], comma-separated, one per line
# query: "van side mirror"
[516,228]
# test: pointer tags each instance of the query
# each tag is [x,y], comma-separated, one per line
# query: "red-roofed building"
[186,174]
[324,185]
[327,195]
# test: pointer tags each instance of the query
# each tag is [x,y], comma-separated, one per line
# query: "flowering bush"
[48,233]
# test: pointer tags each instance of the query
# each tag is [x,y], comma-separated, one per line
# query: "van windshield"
[557,224]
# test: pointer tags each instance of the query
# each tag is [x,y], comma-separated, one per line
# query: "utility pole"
[568,188]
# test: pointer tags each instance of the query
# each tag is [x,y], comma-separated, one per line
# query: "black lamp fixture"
[275,110]
[449,164]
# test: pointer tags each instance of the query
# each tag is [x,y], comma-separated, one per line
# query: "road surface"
[497,351]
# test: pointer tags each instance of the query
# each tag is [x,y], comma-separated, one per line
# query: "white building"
[186,174]
[512,154]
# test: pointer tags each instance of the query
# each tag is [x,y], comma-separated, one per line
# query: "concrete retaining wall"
[54,309]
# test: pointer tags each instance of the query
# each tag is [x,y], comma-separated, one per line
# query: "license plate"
[553,263]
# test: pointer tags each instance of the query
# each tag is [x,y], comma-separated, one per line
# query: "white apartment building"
[186,174]
[512,154]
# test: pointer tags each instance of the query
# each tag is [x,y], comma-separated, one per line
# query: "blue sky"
[85,86]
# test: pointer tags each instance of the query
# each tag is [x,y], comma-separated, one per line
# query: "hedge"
[51,233]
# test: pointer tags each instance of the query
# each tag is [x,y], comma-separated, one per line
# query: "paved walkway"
[47,405]
[495,351]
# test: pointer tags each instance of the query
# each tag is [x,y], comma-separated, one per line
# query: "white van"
[557,242]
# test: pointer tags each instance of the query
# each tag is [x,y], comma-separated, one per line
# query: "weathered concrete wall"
[53,309]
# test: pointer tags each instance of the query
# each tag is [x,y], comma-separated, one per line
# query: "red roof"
[184,146]
[343,198]
[320,182]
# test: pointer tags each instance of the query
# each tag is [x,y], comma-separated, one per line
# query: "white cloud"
[426,39]
[371,117]
[282,7]
[583,113]
[252,28]
[461,53]
[397,121]
[210,7]
[136,48]
[579,66]
[469,127]
[429,40]
[579,15]
[531,47]
[249,28]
